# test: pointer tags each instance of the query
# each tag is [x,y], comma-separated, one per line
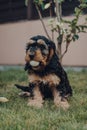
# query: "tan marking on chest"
[50,78]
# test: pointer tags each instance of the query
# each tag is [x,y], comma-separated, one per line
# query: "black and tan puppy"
[47,78]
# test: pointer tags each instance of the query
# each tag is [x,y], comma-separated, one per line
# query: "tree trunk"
[59,17]
[29,9]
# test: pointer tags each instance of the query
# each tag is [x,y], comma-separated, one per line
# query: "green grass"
[16,115]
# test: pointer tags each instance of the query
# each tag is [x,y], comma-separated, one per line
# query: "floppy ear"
[52,49]
[51,53]
[27,59]
[26,67]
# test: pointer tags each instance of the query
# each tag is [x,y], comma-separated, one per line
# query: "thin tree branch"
[41,19]
[67,45]
[58,13]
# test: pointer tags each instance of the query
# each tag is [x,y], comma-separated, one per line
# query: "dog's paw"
[61,103]
[65,105]
[35,103]
[24,94]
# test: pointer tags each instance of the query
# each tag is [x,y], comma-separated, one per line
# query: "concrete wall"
[14,36]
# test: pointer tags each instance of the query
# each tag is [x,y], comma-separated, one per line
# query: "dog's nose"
[32,55]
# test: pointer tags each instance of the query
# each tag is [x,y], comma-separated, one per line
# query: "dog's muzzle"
[32,53]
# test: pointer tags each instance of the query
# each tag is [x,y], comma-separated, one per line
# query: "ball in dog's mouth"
[34,63]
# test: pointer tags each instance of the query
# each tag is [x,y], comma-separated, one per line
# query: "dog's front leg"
[59,101]
[26,90]
[37,99]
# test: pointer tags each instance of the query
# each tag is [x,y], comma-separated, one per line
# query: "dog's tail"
[23,88]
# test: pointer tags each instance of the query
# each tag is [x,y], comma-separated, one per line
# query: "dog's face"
[39,51]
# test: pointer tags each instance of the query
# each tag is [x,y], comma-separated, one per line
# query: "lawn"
[16,115]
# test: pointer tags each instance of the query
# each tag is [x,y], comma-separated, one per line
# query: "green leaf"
[26,2]
[78,28]
[83,6]
[47,6]
[66,21]
[77,11]
[42,6]
[75,37]
[59,1]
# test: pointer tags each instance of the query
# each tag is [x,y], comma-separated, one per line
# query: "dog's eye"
[32,48]
[45,52]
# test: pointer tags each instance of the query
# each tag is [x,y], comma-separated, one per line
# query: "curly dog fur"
[47,78]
